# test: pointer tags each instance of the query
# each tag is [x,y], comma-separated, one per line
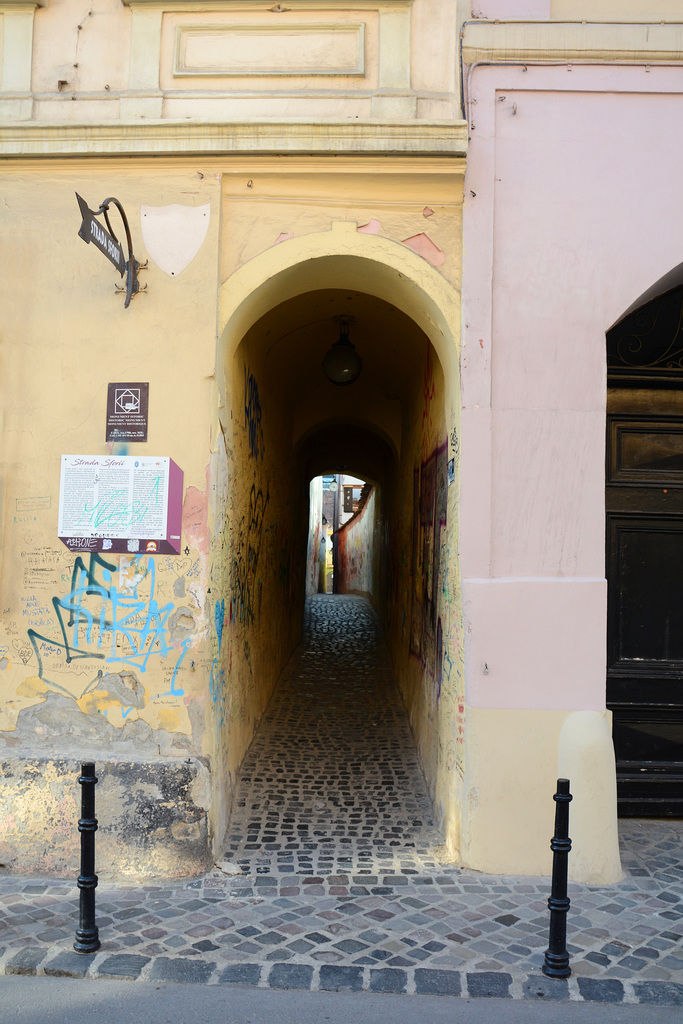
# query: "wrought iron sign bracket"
[107,242]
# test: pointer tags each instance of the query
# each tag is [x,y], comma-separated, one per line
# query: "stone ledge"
[156,138]
[251,5]
[519,42]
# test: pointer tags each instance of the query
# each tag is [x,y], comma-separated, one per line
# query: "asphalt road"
[25,1000]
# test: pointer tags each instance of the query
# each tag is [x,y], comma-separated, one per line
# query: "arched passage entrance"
[644,503]
[281,422]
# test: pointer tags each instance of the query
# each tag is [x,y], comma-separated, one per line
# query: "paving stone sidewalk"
[338,883]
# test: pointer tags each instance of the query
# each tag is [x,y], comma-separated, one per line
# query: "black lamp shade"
[341,363]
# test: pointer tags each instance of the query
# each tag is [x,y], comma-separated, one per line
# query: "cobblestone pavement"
[338,883]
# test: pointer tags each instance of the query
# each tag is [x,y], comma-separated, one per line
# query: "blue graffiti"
[96,620]
[217,675]
[219,617]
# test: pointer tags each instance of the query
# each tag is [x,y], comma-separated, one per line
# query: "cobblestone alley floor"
[337,881]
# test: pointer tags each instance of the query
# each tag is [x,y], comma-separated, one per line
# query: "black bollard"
[556,962]
[87,937]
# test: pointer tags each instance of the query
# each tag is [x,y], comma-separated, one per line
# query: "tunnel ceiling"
[344,448]
[294,336]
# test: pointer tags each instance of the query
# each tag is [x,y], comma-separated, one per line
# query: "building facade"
[480,190]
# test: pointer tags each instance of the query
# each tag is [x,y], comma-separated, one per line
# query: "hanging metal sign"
[106,241]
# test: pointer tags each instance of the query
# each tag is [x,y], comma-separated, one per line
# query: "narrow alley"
[331,784]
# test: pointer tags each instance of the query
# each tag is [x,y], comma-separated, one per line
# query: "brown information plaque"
[127,406]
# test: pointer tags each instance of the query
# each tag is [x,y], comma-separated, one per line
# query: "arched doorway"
[283,423]
[644,508]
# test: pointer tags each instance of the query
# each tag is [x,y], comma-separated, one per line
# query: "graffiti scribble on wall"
[428,395]
[217,678]
[430,485]
[244,579]
[252,415]
[98,620]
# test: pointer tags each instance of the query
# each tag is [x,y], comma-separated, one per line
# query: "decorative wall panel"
[305,49]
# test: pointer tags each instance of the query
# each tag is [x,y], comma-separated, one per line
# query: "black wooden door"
[644,504]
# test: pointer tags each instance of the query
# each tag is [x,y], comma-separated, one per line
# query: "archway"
[282,422]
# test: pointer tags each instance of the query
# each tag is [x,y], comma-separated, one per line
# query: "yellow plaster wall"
[265,558]
[426,607]
[514,759]
[65,336]
[272,201]
[510,779]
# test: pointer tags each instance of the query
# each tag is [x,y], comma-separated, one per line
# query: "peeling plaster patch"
[427,212]
[32,686]
[373,227]
[196,517]
[124,687]
[91,736]
[424,247]
[93,702]
[181,624]
[283,236]
[5,663]
[179,587]
[201,787]
[195,714]
[131,574]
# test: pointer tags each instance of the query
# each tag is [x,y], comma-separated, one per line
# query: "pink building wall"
[572,210]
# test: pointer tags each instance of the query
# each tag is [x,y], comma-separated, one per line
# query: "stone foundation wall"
[152,817]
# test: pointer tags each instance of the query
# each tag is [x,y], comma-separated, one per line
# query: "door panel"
[644,503]
[646,573]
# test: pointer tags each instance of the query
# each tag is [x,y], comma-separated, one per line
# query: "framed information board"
[123,504]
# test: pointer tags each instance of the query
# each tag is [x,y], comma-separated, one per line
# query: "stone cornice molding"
[295,138]
[289,6]
[536,42]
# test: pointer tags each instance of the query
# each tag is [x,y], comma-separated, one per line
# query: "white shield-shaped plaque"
[173,235]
